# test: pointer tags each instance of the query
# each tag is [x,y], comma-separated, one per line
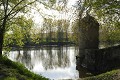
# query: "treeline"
[23,32]
[51,32]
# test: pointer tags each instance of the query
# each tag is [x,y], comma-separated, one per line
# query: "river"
[51,62]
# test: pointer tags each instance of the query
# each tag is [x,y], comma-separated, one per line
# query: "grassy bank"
[111,75]
[10,70]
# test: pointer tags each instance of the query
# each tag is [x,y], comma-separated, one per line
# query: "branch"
[2,18]
[46,5]
[15,6]
[0,3]
[6,8]
[15,12]
[13,15]
[3,4]
[37,10]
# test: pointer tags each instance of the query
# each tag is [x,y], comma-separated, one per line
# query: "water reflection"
[51,62]
[23,56]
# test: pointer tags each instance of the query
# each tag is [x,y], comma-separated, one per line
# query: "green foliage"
[10,78]
[19,32]
[13,70]
[58,5]
[52,2]
[75,30]
[112,75]
[9,11]
[109,9]
[60,33]
[107,12]
[35,35]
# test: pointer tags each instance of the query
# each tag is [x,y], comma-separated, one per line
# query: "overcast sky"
[37,18]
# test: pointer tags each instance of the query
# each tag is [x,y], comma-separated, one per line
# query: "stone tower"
[88,41]
[89,33]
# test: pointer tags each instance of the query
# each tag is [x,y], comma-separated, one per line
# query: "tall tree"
[60,33]
[107,12]
[66,29]
[9,9]
[18,32]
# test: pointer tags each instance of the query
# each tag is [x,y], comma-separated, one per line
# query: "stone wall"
[90,57]
[100,60]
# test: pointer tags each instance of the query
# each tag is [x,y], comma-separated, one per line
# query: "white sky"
[37,18]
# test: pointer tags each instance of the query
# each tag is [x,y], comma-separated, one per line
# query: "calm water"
[51,62]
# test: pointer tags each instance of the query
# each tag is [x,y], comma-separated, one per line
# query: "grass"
[111,75]
[10,70]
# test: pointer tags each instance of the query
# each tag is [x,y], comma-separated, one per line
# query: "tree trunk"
[2,32]
[1,42]
[66,36]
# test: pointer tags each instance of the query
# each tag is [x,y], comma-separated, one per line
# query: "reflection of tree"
[50,57]
[63,57]
[18,57]
[49,60]
[56,58]
[25,58]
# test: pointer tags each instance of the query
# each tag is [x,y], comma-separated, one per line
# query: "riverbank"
[10,70]
[111,75]
[31,44]
[14,71]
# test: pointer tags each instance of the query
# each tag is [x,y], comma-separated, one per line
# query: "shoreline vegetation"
[45,43]
[10,70]
[103,44]
[110,75]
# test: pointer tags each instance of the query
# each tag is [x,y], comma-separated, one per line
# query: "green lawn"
[111,75]
[10,70]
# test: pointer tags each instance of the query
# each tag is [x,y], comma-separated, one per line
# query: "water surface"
[51,62]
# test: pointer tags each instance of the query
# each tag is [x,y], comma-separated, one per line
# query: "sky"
[37,18]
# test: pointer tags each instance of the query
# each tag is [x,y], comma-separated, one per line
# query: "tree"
[25,25]
[60,33]
[35,35]
[75,26]
[18,33]
[66,29]
[54,4]
[106,12]
[49,31]
[8,10]
[81,10]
